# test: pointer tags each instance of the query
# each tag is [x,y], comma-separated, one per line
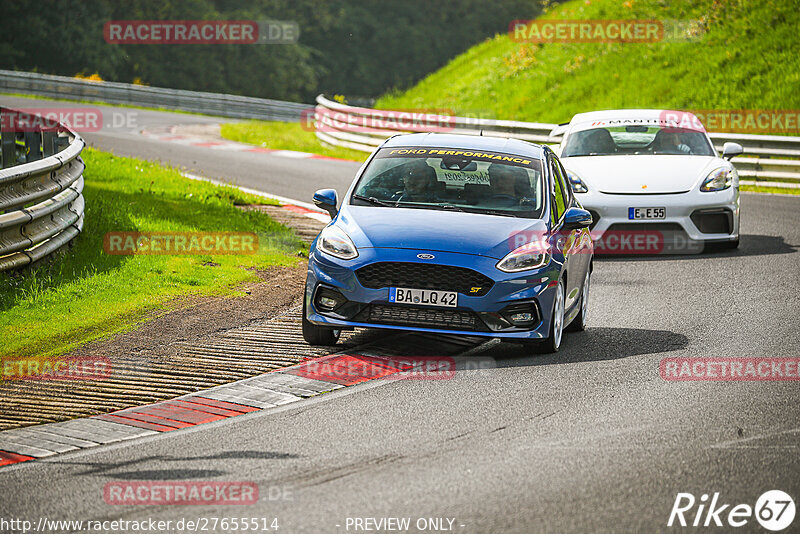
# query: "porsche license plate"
[423,297]
[647,213]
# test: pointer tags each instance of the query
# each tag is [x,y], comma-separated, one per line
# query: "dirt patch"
[191,319]
[196,343]
[209,131]
[154,360]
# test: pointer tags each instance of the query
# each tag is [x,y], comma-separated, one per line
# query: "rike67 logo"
[774,510]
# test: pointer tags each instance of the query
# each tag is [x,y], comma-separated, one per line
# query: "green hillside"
[747,57]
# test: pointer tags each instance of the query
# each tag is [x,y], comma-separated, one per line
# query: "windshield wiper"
[375,201]
[434,206]
[502,213]
[424,205]
[450,207]
[488,211]
[453,207]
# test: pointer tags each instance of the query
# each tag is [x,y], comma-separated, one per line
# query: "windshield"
[637,140]
[452,179]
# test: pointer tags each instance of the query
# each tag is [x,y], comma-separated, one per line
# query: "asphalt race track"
[286,177]
[592,439]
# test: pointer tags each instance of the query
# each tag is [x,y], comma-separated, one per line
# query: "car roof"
[649,115]
[472,142]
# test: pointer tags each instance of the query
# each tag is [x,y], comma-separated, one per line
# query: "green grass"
[285,136]
[746,59]
[88,294]
[770,189]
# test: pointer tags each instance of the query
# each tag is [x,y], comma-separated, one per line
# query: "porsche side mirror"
[730,150]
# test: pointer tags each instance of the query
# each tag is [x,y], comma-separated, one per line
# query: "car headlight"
[334,241]
[577,184]
[528,256]
[718,179]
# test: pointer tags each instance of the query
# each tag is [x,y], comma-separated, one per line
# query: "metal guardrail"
[222,105]
[364,129]
[41,205]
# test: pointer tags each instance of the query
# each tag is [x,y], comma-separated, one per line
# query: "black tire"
[318,335]
[553,341]
[578,324]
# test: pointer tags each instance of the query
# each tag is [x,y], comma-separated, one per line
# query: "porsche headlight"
[718,179]
[334,241]
[529,256]
[577,184]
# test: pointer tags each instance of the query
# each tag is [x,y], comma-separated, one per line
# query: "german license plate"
[647,213]
[423,297]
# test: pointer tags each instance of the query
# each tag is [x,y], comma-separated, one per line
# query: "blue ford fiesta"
[453,234]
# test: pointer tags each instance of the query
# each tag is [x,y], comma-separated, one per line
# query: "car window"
[636,140]
[559,196]
[570,198]
[461,180]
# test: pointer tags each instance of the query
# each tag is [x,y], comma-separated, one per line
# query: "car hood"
[630,174]
[436,230]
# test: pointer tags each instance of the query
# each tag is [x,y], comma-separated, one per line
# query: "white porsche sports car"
[654,172]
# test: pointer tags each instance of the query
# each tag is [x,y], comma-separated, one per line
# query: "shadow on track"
[749,245]
[109,469]
[167,474]
[594,344]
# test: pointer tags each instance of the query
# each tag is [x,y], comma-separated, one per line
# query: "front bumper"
[371,308]
[695,216]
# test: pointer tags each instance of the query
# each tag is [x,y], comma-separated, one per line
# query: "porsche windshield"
[636,140]
[452,179]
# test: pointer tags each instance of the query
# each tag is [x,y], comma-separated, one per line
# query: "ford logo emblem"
[425,256]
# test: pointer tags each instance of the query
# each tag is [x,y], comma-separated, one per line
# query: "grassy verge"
[88,294]
[735,63]
[285,136]
[769,189]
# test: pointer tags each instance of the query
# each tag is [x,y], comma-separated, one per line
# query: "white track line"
[316,213]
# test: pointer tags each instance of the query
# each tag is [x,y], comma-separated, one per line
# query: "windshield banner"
[457,154]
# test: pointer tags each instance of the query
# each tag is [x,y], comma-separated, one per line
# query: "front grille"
[424,276]
[424,317]
[647,226]
[637,238]
[713,221]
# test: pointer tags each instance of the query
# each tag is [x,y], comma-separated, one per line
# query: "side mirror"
[576,218]
[730,150]
[327,200]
